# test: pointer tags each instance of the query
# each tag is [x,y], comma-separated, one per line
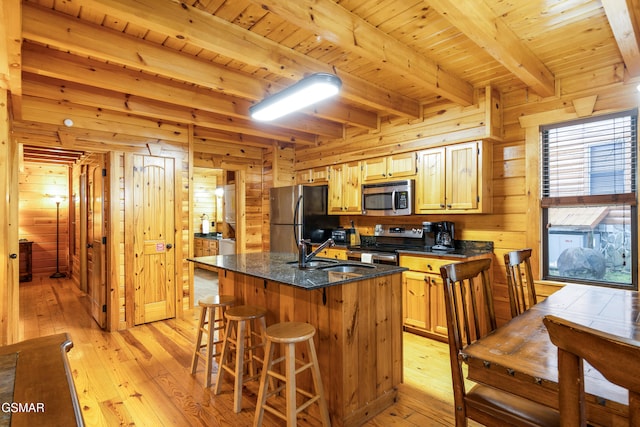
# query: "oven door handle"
[374,256]
[380,257]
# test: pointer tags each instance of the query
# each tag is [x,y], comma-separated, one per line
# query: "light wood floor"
[141,376]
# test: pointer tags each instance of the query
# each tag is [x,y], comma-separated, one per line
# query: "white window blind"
[591,160]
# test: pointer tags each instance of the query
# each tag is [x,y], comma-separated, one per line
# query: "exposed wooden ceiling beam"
[335,23]
[65,66]
[103,100]
[45,27]
[623,20]
[202,29]
[99,141]
[231,137]
[10,45]
[54,113]
[478,22]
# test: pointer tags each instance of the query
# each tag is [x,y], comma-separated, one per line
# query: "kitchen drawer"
[424,264]
[335,253]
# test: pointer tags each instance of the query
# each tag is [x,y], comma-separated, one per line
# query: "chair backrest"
[470,314]
[522,290]
[617,359]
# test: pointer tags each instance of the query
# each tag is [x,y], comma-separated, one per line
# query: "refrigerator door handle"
[296,210]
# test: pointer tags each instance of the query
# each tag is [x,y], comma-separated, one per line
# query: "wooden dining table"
[518,357]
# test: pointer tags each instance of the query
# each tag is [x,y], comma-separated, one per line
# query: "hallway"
[141,376]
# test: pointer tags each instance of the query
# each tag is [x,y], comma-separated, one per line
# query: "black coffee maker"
[439,236]
[444,236]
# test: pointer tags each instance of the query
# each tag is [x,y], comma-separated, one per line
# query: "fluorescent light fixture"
[307,91]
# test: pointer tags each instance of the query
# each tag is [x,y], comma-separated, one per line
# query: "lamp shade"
[307,91]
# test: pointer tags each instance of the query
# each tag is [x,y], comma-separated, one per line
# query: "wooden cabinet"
[204,247]
[318,175]
[389,168]
[335,253]
[456,179]
[423,307]
[345,192]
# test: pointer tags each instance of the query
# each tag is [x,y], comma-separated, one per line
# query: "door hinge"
[104,172]
[104,240]
[104,308]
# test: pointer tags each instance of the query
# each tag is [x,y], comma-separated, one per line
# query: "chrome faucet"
[303,258]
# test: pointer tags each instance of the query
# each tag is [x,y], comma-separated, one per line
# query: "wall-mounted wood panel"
[38,184]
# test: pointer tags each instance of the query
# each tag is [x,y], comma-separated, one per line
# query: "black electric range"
[382,247]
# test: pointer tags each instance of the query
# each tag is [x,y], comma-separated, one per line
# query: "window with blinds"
[589,200]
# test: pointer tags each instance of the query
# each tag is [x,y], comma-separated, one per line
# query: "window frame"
[611,200]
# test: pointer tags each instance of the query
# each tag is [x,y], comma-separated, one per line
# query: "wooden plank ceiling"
[143,72]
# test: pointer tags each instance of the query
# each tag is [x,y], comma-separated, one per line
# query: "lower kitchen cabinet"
[204,247]
[424,304]
[334,253]
[423,307]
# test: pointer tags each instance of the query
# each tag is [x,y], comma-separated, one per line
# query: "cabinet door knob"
[13,256]
[169,245]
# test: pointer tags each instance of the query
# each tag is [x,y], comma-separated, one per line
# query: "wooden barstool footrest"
[289,334]
[239,337]
[212,308]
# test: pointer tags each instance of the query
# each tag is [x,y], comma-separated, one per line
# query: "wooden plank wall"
[205,182]
[515,221]
[38,183]
[277,171]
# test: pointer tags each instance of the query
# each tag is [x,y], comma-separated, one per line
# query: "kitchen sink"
[332,265]
[316,263]
[346,268]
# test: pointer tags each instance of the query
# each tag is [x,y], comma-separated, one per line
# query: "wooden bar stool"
[241,337]
[290,333]
[212,308]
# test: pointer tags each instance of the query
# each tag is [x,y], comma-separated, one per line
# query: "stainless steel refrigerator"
[299,211]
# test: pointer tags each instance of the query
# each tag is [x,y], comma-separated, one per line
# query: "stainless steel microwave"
[388,198]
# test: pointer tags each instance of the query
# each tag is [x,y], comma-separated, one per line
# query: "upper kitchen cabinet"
[389,168]
[318,175]
[345,192]
[455,179]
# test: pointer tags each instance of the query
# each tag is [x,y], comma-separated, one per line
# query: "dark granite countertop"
[457,253]
[282,268]
[462,249]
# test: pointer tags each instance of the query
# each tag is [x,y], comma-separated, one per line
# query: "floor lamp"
[58,274]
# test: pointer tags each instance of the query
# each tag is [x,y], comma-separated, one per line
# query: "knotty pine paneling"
[514,222]
[37,185]
[205,182]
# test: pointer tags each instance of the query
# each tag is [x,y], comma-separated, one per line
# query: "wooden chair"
[522,290]
[616,358]
[470,316]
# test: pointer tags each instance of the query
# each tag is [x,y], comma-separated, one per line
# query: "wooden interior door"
[153,209]
[97,278]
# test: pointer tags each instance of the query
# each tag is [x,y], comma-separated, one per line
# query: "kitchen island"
[357,314]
